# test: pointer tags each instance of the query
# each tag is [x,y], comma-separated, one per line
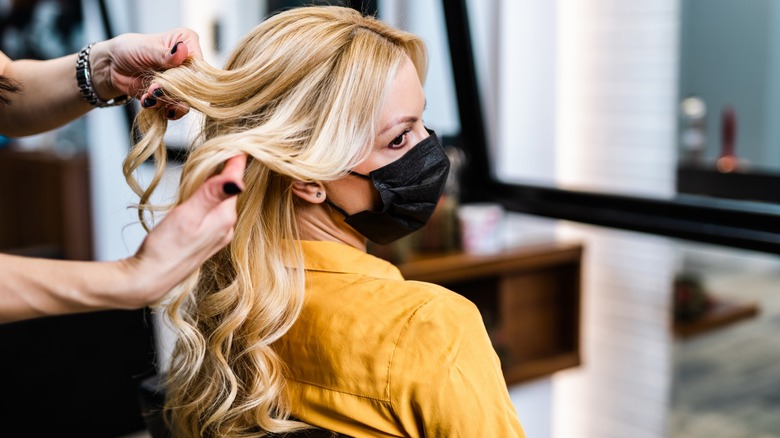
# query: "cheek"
[420,133]
[353,194]
[375,160]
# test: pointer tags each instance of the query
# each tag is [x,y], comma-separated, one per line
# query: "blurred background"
[647,133]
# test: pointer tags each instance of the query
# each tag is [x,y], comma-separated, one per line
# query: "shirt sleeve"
[445,377]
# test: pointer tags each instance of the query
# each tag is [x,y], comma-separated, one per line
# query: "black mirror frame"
[746,225]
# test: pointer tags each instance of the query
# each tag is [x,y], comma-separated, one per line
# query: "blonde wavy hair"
[301,96]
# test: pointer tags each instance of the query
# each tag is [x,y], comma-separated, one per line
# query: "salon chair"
[152,399]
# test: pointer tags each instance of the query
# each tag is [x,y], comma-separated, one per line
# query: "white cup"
[481,227]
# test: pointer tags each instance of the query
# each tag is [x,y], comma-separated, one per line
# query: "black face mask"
[410,188]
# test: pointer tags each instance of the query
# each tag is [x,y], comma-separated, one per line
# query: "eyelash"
[401,140]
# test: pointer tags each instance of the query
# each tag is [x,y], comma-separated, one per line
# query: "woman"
[294,319]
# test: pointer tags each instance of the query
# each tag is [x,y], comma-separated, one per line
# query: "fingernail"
[172,114]
[158,92]
[231,189]
[175,47]
[149,101]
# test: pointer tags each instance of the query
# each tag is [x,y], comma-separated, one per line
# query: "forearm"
[49,96]
[33,287]
[175,248]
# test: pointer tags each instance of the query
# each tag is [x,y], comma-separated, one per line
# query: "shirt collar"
[328,256]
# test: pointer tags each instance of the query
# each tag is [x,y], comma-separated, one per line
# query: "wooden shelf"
[529,298]
[721,313]
[45,201]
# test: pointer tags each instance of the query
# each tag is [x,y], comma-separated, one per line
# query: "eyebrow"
[398,121]
[403,119]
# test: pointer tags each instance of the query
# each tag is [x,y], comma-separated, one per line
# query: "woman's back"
[374,355]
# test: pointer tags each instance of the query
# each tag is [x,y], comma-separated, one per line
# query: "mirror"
[729,99]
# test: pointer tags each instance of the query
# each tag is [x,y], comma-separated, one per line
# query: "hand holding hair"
[120,66]
[101,74]
[184,239]
[190,233]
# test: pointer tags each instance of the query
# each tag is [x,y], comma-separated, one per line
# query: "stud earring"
[319,194]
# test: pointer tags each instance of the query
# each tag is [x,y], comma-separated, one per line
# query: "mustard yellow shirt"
[375,355]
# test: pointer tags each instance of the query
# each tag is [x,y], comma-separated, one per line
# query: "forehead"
[405,97]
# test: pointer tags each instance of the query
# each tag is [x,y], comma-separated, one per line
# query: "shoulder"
[433,309]
[440,305]
[438,326]
[444,346]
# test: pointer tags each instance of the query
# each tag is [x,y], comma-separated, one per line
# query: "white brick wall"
[617,91]
[622,389]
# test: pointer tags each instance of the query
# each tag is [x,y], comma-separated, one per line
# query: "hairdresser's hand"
[122,65]
[190,233]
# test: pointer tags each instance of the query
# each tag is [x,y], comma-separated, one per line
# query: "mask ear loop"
[336,207]
[351,172]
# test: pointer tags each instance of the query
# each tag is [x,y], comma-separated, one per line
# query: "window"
[580,107]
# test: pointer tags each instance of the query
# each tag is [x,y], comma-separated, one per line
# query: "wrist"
[100,60]
[94,68]
[147,282]
[146,285]
[129,288]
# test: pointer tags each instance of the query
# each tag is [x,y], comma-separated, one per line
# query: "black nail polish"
[231,189]
[175,47]
[171,114]
[158,92]
[149,101]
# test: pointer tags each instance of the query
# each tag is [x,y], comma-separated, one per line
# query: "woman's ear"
[313,192]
